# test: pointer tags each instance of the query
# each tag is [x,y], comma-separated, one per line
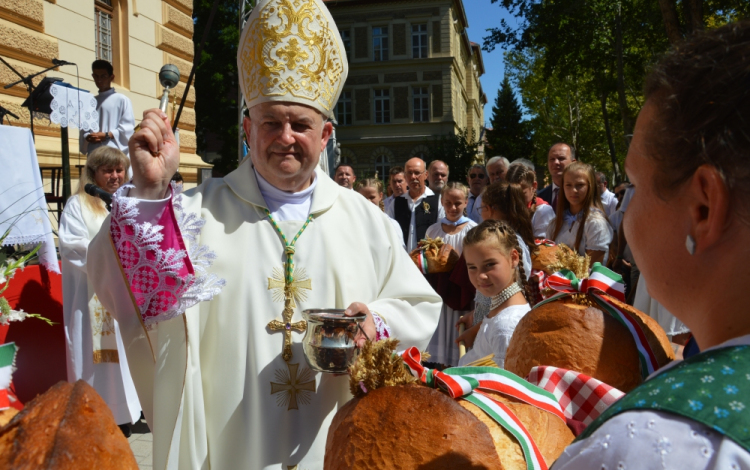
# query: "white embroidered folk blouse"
[597,233]
[645,440]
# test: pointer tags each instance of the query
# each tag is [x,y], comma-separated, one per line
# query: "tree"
[216,85]
[458,151]
[509,135]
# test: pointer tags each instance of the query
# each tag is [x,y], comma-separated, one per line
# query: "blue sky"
[482,15]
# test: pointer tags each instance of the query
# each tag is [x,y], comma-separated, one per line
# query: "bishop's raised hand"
[154,156]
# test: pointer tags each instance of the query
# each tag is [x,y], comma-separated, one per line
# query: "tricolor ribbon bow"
[467,383]
[604,281]
[544,241]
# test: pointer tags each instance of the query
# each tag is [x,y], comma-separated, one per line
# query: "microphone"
[61,62]
[96,191]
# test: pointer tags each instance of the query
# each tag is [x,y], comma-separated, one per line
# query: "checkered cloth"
[581,397]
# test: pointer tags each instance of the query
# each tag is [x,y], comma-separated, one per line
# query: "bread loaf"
[68,427]
[584,339]
[411,426]
[440,257]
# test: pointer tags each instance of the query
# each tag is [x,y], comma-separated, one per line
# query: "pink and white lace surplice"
[166,267]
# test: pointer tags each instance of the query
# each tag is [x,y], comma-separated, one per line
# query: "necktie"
[554,198]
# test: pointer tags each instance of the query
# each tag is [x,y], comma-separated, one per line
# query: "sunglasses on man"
[476,175]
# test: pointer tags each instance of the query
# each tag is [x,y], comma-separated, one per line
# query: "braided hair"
[503,236]
[525,176]
[372,183]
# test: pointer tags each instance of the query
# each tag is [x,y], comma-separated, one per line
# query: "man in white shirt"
[398,187]
[609,200]
[418,208]
[560,155]
[116,122]
[477,179]
[344,176]
[496,168]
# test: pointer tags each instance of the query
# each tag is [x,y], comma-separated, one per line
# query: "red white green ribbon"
[545,242]
[7,366]
[422,262]
[468,382]
[608,282]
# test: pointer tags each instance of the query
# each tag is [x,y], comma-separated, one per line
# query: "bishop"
[204,283]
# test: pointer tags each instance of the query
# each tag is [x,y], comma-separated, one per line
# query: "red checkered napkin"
[581,397]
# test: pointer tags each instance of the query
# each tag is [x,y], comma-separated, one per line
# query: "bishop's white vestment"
[214,387]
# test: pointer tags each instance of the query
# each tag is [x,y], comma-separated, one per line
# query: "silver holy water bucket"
[329,344]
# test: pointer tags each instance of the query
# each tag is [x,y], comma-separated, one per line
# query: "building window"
[382,167]
[421,104]
[103,40]
[346,37]
[344,109]
[382,107]
[380,43]
[419,41]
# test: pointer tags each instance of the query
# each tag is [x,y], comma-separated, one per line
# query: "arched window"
[382,167]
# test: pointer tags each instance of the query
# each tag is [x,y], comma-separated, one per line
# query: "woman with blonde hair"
[451,229]
[581,222]
[94,349]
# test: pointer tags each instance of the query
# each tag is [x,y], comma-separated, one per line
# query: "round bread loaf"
[68,427]
[584,339]
[411,426]
[441,260]
[543,257]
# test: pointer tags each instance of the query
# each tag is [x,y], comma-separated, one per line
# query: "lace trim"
[160,290]
[25,239]
[382,330]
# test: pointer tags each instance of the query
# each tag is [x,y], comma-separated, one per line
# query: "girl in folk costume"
[452,229]
[688,225]
[493,258]
[581,223]
[372,190]
[503,202]
[541,212]
[94,347]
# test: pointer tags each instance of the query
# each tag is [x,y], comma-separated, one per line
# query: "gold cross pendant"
[289,293]
[287,327]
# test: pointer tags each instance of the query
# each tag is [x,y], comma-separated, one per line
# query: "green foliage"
[458,151]
[510,136]
[562,110]
[216,85]
[578,64]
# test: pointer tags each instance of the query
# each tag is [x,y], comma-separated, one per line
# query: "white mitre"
[291,50]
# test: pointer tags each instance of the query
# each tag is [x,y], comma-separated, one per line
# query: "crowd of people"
[576,209]
[685,231]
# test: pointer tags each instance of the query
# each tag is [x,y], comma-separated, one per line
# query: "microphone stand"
[5,112]
[29,86]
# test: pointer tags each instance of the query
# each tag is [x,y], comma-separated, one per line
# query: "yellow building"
[137,36]
[413,75]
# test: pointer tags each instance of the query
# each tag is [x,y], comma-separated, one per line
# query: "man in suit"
[559,156]
[418,208]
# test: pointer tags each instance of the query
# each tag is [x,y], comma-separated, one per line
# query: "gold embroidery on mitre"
[289,47]
[293,388]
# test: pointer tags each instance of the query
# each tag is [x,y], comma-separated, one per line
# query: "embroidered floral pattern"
[160,280]
[383,331]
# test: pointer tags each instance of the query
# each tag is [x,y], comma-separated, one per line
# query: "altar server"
[209,286]
[116,122]
[94,347]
